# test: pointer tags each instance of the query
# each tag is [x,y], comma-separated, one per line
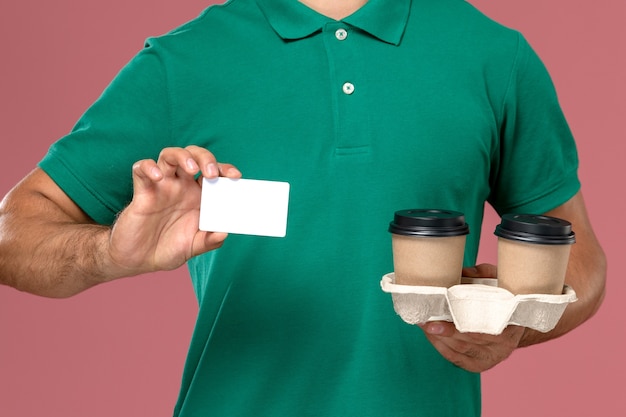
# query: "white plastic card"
[244,206]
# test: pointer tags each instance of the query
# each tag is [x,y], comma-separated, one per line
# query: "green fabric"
[449,110]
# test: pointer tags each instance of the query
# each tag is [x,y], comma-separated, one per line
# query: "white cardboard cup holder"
[477,305]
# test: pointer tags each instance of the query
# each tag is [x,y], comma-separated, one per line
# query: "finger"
[205,160]
[509,336]
[470,271]
[209,166]
[480,271]
[177,162]
[466,344]
[461,360]
[475,352]
[512,335]
[207,241]
[439,328]
[466,353]
[479,346]
[145,173]
[229,171]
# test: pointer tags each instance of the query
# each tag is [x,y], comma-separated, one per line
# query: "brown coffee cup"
[533,252]
[428,247]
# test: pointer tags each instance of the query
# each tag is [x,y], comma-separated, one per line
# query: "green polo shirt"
[404,104]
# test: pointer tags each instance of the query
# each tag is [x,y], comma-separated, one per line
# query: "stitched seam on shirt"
[333,93]
[168,97]
[566,179]
[91,191]
[513,71]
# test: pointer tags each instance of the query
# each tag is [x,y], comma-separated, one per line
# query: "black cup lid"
[429,222]
[535,228]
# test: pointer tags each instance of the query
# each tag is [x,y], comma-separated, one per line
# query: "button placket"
[352,132]
[341,34]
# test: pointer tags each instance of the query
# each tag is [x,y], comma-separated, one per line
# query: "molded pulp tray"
[477,305]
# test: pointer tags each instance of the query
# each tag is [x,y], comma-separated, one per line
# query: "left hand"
[475,352]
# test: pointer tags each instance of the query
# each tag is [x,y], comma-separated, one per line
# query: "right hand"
[158,230]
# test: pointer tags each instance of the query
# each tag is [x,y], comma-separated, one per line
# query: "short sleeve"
[536,163]
[128,122]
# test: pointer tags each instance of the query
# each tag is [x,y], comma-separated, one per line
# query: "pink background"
[118,350]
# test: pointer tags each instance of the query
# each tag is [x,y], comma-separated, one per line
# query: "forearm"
[48,246]
[586,274]
[590,296]
[61,260]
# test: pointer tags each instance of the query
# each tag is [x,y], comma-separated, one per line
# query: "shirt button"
[341,34]
[348,88]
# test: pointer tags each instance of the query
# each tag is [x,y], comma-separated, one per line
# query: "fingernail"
[435,328]
[191,164]
[212,170]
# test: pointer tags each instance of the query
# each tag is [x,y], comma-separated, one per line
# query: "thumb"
[206,241]
[481,271]
[438,328]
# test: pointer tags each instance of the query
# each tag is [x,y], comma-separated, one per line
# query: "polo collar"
[383,19]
